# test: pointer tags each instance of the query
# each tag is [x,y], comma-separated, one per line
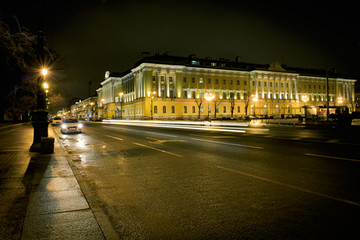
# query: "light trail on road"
[204,126]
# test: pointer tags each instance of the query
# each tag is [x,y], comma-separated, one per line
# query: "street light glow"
[304,98]
[46,86]
[44,71]
[209,96]
[255,98]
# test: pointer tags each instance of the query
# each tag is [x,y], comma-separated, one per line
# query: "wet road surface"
[161,183]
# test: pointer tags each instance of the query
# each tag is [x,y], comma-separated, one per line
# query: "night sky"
[96,36]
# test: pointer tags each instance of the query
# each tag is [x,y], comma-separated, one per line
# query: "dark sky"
[94,36]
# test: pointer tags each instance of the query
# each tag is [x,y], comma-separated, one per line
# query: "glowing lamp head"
[44,71]
[46,86]
[209,96]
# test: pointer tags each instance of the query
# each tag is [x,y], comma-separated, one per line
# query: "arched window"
[277,109]
[173,109]
[164,109]
[185,109]
[238,109]
[155,109]
[224,110]
[193,109]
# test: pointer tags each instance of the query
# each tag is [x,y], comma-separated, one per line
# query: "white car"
[56,121]
[71,126]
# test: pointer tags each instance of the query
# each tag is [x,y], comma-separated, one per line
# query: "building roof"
[227,64]
[222,63]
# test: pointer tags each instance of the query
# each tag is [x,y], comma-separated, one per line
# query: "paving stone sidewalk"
[40,197]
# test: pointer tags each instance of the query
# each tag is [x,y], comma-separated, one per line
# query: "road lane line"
[162,134]
[120,139]
[231,144]
[157,149]
[292,187]
[338,158]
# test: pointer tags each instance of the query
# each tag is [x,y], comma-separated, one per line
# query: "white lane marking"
[231,144]
[293,187]
[120,139]
[332,157]
[157,149]
[162,134]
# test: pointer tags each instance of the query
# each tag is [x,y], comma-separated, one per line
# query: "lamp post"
[339,100]
[208,97]
[304,98]
[255,99]
[39,116]
[152,100]
[46,87]
[121,96]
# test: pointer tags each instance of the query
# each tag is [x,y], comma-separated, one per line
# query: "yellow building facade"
[166,87]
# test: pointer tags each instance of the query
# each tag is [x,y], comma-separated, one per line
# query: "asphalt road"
[171,183]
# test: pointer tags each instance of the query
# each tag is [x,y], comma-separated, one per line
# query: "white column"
[159,84]
[174,84]
[279,90]
[167,85]
[262,87]
[296,89]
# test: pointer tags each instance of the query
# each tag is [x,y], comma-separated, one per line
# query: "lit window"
[201,80]
[193,62]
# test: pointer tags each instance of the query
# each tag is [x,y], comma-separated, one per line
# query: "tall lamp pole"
[209,97]
[255,99]
[40,115]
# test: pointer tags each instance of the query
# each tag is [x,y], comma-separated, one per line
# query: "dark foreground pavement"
[39,196]
[133,182]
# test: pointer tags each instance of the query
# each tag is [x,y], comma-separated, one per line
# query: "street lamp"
[339,100]
[208,97]
[39,116]
[121,96]
[255,99]
[44,71]
[151,105]
[304,98]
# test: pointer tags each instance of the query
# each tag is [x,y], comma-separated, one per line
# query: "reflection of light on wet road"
[81,143]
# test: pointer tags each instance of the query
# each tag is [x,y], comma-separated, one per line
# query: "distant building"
[169,87]
[85,109]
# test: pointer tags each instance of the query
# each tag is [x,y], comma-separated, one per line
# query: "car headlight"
[63,126]
[80,125]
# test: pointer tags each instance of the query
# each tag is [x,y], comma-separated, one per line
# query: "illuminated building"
[175,88]
[85,109]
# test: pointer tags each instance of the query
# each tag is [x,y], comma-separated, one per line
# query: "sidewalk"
[40,197]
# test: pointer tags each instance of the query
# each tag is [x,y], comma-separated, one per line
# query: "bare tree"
[232,104]
[199,101]
[247,101]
